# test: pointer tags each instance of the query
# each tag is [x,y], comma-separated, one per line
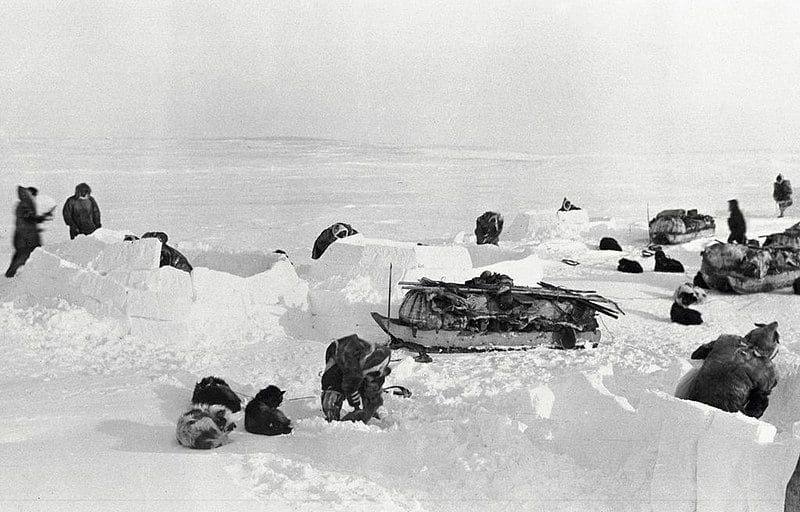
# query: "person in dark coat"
[488,228]
[355,369]
[81,212]
[736,223]
[738,373]
[26,230]
[782,193]
[330,235]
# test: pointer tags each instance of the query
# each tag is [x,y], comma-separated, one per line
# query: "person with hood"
[330,235]
[736,223]
[355,369]
[782,194]
[26,231]
[488,228]
[81,212]
[738,373]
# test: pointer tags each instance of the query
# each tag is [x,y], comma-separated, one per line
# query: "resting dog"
[684,296]
[215,408]
[738,373]
[204,426]
[262,416]
[666,264]
[629,266]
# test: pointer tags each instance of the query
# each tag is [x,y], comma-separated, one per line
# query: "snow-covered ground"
[93,384]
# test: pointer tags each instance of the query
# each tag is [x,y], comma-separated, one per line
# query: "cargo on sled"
[488,313]
[672,227]
[743,269]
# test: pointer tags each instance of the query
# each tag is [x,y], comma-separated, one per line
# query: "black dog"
[262,416]
[213,390]
[609,244]
[684,316]
[700,281]
[629,266]
[667,264]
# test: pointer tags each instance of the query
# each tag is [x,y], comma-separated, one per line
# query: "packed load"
[679,226]
[789,239]
[744,269]
[490,310]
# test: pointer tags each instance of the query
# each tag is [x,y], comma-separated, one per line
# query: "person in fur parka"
[354,369]
[81,212]
[738,373]
[26,229]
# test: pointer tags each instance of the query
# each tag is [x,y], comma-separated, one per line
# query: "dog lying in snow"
[262,416]
[205,426]
[666,264]
[214,412]
[684,296]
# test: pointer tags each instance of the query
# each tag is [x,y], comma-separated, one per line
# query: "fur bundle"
[204,426]
[666,264]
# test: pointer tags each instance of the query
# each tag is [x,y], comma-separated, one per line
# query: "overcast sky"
[547,77]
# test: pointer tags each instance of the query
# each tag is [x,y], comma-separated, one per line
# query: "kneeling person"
[355,369]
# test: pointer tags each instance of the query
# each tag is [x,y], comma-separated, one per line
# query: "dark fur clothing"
[736,223]
[738,373]
[262,415]
[684,316]
[629,266]
[213,390]
[609,244]
[666,264]
[700,281]
[357,369]
[796,286]
[488,228]
[26,230]
[81,212]
[330,235]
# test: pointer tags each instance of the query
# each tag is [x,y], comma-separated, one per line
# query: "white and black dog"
[214,412]
[686,295]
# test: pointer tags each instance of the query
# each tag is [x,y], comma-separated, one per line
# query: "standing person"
[736,223]
[782,193]
[26,230]
[81,212]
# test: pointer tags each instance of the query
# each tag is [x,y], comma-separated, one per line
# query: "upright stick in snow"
[389,302]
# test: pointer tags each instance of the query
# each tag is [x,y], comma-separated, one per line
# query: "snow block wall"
[676,455]
[351,279]
[543,225]
[123,280]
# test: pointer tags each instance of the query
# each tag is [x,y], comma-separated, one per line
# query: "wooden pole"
[389,302]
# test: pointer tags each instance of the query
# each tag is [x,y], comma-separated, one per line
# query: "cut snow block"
[242,264]
[675,425]
[81,251]
[575,217]
[159,305]
[591,424]
[725,456]
[144,254]
[487,254]
[101,288]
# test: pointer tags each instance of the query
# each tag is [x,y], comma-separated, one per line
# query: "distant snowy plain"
[89,411]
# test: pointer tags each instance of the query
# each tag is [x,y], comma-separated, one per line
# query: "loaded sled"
[742,269]
[487,313]
[672,227]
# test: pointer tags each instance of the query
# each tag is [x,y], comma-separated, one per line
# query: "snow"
[102,349]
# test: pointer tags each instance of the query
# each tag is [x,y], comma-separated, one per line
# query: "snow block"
[82,251]
[242,263]
[541,225]
[675,425]
[487,254]
[576,217]
[143,254]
